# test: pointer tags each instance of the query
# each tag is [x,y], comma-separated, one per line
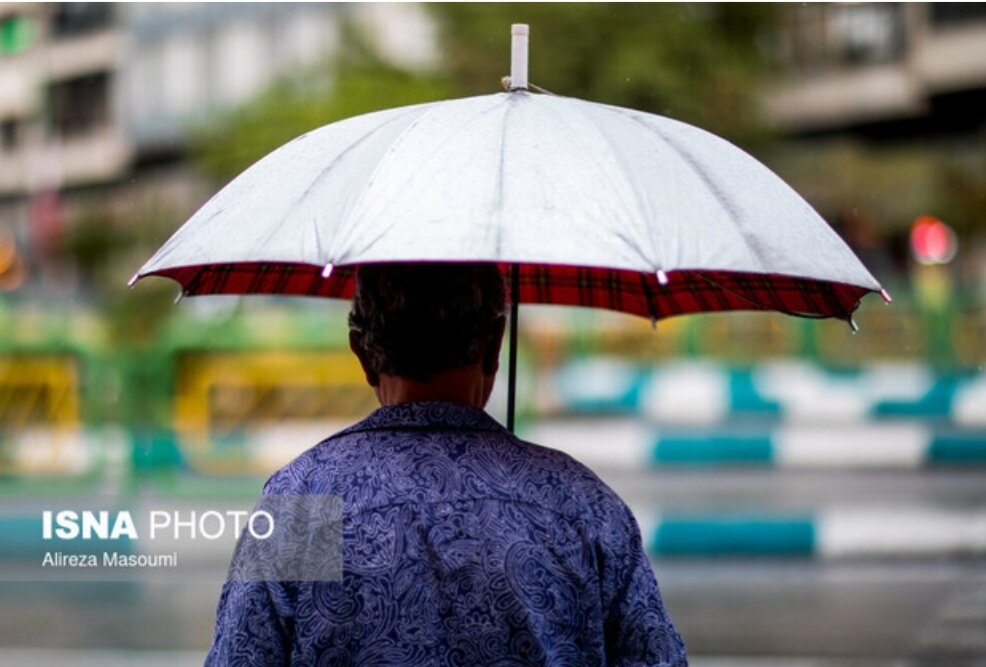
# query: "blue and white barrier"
[58,451]
[635,445]
[703,392]
[848,533]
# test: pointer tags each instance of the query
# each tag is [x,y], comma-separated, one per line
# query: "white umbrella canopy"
[513,177]
[591,204]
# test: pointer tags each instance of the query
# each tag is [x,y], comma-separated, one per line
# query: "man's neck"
[466,385]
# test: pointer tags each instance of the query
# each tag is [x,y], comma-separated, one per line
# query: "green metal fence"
[180,401]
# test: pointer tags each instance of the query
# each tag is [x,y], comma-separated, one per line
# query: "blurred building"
[96,98]
[884,107]
[882,69]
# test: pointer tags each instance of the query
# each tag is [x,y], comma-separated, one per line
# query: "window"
[824,36]
[78,18]
[79,106]
[868,33]
[9,132]
[956,14]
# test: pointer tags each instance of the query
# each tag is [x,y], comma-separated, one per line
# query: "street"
[815,610]
[731,613]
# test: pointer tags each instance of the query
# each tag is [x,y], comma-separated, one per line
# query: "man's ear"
[356,345]
[491,354]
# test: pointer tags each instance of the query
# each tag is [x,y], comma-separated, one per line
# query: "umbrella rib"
[319,250]
[498,186]
[574,136]
[177,238]
[647,297]
[361,139]
[369,243]
[757,304]
[328,168]
[376,170]
[659,257]
[724,202]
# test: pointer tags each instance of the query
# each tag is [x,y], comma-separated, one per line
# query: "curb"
[634,445]
[698,392]
[824,535]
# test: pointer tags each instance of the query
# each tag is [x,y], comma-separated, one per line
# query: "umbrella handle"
[518,56]
[512,363]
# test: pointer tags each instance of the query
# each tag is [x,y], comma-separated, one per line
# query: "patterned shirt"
[462,545]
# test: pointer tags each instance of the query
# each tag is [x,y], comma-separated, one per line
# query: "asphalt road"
[901,613]
[898,612]
[731,613]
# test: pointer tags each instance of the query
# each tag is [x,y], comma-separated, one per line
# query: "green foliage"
[696,63]
[894,183]
[699,63]
[93,242]
[104,252]
[357,81]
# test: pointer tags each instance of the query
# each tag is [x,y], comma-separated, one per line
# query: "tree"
[699,63]
[358,80]
[694,62]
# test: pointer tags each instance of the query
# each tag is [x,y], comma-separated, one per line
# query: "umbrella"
[582,203]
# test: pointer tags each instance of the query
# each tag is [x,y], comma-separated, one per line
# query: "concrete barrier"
[703,392]
[634,444]
[828,534]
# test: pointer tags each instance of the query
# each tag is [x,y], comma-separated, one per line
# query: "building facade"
[882,69]
[96,100]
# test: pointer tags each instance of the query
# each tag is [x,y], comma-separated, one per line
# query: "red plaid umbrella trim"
[634,292]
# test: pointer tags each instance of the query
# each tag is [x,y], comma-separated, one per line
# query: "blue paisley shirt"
[462,545]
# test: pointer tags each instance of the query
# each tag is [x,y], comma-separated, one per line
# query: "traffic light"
[933,241]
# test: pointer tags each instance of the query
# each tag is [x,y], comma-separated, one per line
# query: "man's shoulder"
[475,464]
[578,488]
[300,474]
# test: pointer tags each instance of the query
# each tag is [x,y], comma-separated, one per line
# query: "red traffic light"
[932,241]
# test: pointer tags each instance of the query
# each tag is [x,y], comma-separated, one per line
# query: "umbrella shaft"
[512,364]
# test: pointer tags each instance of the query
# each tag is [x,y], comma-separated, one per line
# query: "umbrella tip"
[662,277]
[133,279]
[181,295]
[519,33]
[886,296]
[853,326]
[327,271]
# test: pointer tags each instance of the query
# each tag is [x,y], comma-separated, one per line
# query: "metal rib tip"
[327,271]
[662,277]
[133,279]
[181,295]
[886,296]
[853,326]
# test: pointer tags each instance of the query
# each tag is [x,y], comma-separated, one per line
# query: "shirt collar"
[437,415]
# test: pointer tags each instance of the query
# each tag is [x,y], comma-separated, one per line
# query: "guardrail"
[223,394]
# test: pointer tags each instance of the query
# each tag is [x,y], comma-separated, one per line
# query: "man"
[462,545]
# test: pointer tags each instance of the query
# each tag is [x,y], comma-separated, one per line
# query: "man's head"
[429,327]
